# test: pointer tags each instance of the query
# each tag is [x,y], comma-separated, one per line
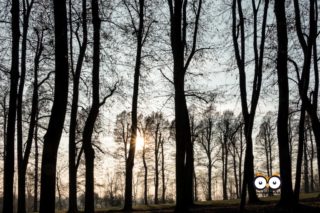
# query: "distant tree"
[10,132]
[287,197]
[227,129]
[206,141]
[266,142]
[122,134]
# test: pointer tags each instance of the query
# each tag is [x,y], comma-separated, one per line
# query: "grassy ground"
[309,203]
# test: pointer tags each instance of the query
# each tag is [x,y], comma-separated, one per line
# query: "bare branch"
[166,77]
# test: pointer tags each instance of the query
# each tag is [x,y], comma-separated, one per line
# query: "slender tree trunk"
[36,168]
[249,116]
[184,146]
[21,161]
[287,197]
[32,125]
[300,153]
[240,160]
[145,175]
[134,120]
[74,109]
[94,111]
[209,197]
[55,127]
[306,165]
[163,175]
[225,192]
[10,134]
[235,172]
[156,166]
[311,161]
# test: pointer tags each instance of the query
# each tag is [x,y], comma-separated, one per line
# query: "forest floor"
[309,203]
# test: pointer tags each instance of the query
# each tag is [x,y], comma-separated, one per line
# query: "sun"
[139,142]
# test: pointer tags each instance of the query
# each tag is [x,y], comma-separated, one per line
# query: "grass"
[307,201]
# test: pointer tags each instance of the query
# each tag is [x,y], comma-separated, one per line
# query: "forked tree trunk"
[249,114]
[74,109]
[23,161]
[184,147]
[32,126]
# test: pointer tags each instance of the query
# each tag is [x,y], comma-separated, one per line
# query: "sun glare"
[140,142]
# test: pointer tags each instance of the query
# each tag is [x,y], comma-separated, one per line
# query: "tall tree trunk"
[209,197]
[94,111]
[134,111]
[235,172]
[21,161]
[145,175]
[10,134]
[249,116]
[308,46]
[300,152]
[74,108]
[287,197]
[311,160]
[163,197]
[32,125]
[55,127]
[184,146]
[156,162]
[36,168]
[306,165]
[225,173]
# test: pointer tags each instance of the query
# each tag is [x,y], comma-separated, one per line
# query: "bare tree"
[141,34]
[238,29]
[287,197]
[181,61]
[94,110]
[74,107]
[55,126]
[9,143]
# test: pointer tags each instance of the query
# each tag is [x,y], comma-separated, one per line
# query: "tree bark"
[134,120]
[163,197]
[36,169]
[94,111]
[10,134]
[301,148]
[184,146]
[156,162]
[55,127]
[287,197]
[249,116]
[32,126]
[23,161]
[145,174]
[74,110]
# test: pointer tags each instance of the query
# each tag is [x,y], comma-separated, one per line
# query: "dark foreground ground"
[309,203]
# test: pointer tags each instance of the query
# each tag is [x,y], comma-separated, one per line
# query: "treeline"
[64,64]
